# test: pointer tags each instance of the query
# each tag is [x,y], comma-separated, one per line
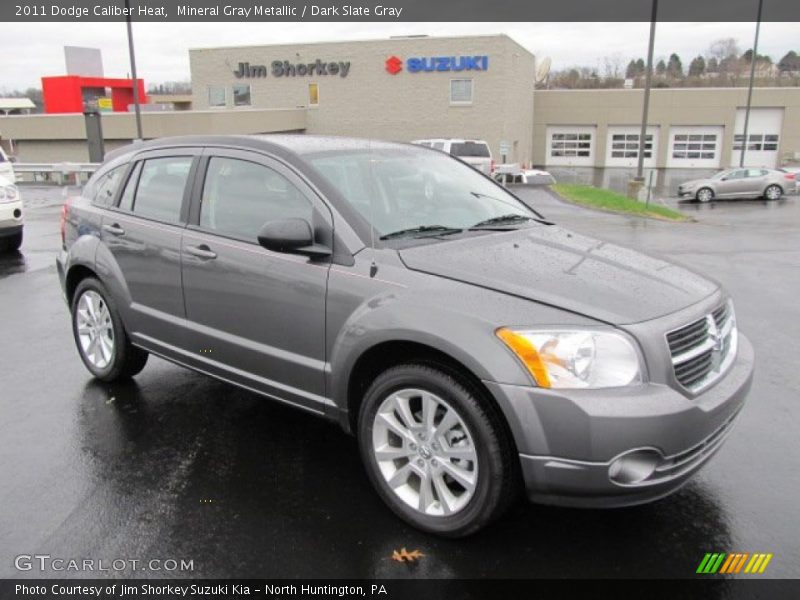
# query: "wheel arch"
[383,355]
[75,275]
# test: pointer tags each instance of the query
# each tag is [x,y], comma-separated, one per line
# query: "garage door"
[622,149]
[763,137]
[569,145]
[695,147]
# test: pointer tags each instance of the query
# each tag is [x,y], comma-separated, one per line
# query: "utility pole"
[132,55]
[750,86]
[647,80]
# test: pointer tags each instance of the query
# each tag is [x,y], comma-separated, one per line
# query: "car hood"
[567,270]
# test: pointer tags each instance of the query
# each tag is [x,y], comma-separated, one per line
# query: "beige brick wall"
[675,106]
[370,102]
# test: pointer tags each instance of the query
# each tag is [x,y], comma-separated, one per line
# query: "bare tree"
[724,48]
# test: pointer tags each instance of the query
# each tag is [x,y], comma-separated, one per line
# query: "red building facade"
[69,93]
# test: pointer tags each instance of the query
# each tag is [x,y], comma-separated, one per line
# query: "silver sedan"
[741,183]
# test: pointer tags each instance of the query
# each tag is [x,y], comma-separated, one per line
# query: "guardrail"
[59,173]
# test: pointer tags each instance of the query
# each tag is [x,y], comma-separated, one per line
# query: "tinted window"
[126,200]
[470,149]
[438,145]
[240,196]
[106,187]
[159,194]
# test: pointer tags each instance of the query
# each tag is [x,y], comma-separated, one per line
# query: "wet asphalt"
[178,465]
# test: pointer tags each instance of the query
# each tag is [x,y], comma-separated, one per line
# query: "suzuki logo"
[394,65]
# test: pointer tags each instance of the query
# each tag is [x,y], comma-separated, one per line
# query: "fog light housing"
[634,467]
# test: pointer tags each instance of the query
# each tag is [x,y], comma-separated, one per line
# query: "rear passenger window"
[159,194]
[240,196]
[126,200]
[106,187]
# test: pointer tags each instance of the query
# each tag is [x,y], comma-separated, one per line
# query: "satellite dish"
[543,70]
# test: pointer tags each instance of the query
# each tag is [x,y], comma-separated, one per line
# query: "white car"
[513,174]
[6,167]
[10,216]
[475,153]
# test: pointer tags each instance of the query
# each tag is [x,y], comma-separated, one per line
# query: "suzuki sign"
[438,63]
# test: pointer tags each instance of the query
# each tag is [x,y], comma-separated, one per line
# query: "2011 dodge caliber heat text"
[473,348]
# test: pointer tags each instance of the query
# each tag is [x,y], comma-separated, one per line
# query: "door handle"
[201,251]
[114,229]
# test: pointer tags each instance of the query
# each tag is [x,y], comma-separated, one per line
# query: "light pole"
[753,59]
[132,55]
[646,105]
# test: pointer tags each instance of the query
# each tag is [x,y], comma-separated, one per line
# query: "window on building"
[626,145]
[756,141]
[698,146]
[571,144]
[241,95]
[313,94]
[240,196]
[216,96]
[159,194]
[106,187]
[460,91]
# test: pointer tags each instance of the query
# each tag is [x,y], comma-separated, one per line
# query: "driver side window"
[240,196]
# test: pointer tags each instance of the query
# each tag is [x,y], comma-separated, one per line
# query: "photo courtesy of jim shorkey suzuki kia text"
[420,300]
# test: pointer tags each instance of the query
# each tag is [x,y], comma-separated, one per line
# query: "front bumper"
[568,439]
[11,218]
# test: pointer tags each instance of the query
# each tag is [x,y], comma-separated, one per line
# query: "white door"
[622,148]
[571,146]
[763,137]
[695,147]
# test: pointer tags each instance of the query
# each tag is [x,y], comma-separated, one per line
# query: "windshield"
[470,149]
[410,188]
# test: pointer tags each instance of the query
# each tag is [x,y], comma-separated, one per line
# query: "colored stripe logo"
[733,563]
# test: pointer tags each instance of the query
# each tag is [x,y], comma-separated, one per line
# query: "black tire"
[773,195]
[498,470]
[12,243]
[127,360]
[704,194]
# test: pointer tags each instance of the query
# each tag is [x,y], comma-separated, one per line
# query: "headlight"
[575,358]
[8,193]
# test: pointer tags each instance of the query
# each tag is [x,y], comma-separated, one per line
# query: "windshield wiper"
[434,229]
[508,219]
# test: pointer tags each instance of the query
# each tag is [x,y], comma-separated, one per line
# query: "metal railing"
[60,173]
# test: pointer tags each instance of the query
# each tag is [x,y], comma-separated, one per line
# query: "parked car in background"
[7,167]
[475,153]
[11,219]
[474,348]
[741,183]
[515,175]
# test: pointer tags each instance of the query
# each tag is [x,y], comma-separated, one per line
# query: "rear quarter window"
[103,191]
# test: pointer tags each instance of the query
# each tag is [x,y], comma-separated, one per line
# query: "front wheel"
[99,335]
[705,195]
[11,243]
[435,452]
[773,192]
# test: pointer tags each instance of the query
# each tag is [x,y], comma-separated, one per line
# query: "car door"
[756,182]
[143,236]
[732,185]
[256,317]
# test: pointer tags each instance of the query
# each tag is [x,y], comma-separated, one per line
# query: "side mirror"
[293,236]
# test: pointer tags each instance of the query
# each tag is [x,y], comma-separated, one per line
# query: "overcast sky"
[35,49]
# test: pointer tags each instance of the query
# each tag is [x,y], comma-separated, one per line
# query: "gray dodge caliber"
[474,348]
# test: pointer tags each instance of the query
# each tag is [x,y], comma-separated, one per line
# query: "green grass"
[606,200]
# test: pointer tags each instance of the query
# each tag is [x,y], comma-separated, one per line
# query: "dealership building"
[407,88]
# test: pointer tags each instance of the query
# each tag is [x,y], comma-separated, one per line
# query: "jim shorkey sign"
[284,68]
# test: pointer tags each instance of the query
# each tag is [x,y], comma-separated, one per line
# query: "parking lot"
[176,465]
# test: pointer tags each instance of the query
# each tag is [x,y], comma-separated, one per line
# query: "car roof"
[280,144]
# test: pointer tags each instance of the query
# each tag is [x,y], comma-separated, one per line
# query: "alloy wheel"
[95,329]
[773,192]
[705,195]
[425,452]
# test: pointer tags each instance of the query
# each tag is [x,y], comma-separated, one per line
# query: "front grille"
[702,350]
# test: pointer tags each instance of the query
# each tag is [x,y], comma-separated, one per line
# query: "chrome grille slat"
[701,350]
